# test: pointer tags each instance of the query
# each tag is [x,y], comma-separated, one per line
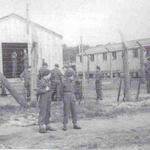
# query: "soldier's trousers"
[44,106]
[69,105]
[27,91]
[56,90]
[99,92]
[148,85]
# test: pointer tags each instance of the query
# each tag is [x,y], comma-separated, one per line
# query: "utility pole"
[125,69]
[110,61]
[142,49]
[83,73]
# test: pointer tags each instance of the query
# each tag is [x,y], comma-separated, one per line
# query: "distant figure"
[14,64]
[25,59]
[69,100]
[56,81]
[147,74]
[78,88]
[26,77]
[98,84]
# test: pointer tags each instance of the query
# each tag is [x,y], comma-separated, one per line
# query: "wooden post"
[19,98]
[141,60]
[125,69]
[34,62]
[110,61]
[83,73]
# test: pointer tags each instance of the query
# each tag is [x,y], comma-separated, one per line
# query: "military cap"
[44,72]
[56,65]
[97,67]
[69,73]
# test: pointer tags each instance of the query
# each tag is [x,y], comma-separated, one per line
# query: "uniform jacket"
[42,85]
[68,85]
[98,76]
[56,75]
[147,69]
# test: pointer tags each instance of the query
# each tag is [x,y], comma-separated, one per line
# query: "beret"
[44,72]
[69,73]
[56,65]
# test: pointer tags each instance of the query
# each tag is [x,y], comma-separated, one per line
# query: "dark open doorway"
[10,50]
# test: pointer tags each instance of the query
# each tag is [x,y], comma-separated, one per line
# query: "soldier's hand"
[47,88]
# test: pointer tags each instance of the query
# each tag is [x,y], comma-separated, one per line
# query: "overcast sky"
[98,21]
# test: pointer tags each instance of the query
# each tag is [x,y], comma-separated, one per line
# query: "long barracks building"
[109,58]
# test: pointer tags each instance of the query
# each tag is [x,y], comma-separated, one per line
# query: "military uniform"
[44,92]
[69,101]
[147,75]
[14,64]
[25,60]
[78,88]
[56,81]
[26,76]
[98,85]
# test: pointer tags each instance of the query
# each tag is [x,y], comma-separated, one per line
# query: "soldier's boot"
[48,127]
[42,129]
[65,127]
[75,126]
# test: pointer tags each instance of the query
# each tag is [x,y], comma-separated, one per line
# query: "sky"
[97,21]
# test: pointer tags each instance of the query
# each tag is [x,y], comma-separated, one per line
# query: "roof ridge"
[36,24]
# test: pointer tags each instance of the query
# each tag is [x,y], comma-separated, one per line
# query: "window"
[135,53]
[80,58]
[114,55]
[92,57]
[147,52]
[104,56]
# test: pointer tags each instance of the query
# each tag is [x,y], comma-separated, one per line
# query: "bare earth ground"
[106,125]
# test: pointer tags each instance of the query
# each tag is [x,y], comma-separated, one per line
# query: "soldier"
[14,64]
[98,84]
[25,59]
[26,77]
[44,66]
[56,81]
[78,88]
[69,100]
[147,74]
[43,90]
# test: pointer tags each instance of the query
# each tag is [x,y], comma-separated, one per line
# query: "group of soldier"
[54,85]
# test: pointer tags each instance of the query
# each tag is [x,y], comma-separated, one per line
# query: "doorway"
[12,54]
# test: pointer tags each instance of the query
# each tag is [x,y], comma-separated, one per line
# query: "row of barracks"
[14,37]
[109,58]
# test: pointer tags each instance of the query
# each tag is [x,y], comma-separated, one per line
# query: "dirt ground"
[105,125]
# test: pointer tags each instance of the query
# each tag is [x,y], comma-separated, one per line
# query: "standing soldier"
[43,90]
[14,64]
[25,59]
[78,88]
[26,77]
[69,100]
[56,81]
[147,74]
[98,84]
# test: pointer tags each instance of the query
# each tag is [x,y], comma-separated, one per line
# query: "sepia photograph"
[75,74]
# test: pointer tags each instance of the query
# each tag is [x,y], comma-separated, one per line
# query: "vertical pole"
[110,63]
[88,66]
[27,15]
[83,73]
[125,69]
[141,60]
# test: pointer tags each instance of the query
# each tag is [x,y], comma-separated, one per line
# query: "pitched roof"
[36,24]
[118,46]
